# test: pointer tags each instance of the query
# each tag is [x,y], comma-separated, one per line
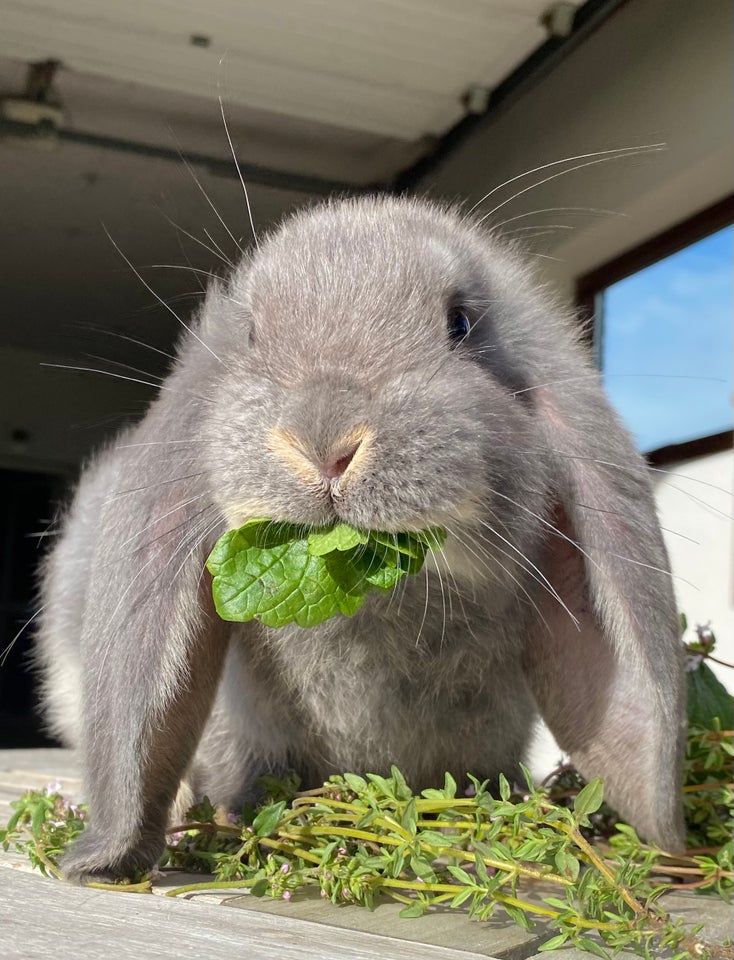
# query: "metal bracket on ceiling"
[558,19]
[568,26]
[39,108]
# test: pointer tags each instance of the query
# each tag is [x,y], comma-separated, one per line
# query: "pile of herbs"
[554,854]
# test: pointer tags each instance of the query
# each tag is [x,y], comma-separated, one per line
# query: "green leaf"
[414,910]
[554,942]
[449,786]
[568,865]
[461,896]
[430,793]
[461,875]
[505,791]
[386,787]
[268,819]
[356,784]
[260,887]
[481,869]
[402,790]
[518,916]
[528,778]
[404,543]
[708,698]
[340,537]
[555,902]
[409,819]
[279,573]
[385,578]
[589,798]
[422,868]
[591,946]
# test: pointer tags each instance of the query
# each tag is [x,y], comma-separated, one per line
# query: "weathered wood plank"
[441,928]
[50,762]
[41,919]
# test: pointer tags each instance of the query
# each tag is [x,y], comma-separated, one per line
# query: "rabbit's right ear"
[609,683]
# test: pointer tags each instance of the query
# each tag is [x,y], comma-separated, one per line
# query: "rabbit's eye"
[458,326]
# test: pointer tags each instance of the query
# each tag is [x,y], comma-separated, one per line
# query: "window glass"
[667,344]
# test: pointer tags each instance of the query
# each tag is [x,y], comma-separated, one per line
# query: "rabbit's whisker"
[122,336]
[604,374]
[425,608]
[167,533]
[239,172]
[537,575]
[214,243]
[199,541]
[219,255]
[124,366]
[556,163]
[148,486]
[183,266]
[170,309]
[6,652]
[547,524]
[177,298]
[619,155]
[157,443]
[533,213]
[179,506]
[208,199]
[118,376]
[481,557]
[616,513]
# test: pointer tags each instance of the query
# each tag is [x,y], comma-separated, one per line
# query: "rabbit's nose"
[323,464]
[333,467]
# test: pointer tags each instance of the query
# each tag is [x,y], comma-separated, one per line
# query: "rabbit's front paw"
[99,858]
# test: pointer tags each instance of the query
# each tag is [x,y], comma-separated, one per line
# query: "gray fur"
[337,324]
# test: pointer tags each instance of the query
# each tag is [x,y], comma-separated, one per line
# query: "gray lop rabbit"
[386,363]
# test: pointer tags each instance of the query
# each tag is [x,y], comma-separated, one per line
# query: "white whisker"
[239,172]
[618,155]
[170,309]
[554,163]
[532,213]
[220,256]
[5,653]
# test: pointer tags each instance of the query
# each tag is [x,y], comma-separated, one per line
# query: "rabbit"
[388,363]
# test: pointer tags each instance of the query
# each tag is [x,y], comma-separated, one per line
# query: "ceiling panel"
[396,68]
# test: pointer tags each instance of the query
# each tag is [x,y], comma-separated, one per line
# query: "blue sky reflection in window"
[668,344]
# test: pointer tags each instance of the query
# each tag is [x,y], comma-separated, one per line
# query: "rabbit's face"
[368,381]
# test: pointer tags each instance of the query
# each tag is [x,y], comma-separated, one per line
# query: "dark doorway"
[28,503]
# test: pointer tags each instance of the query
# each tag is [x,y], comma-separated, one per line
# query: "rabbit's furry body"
[336,336]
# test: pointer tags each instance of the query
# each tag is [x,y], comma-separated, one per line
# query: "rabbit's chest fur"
[414,679]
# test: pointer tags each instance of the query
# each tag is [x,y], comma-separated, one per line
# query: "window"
[664,334]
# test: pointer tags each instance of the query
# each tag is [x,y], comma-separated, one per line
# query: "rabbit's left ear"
[611,686]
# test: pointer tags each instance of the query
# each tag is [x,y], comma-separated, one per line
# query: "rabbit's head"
[388,363]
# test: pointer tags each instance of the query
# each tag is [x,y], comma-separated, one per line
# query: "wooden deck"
[41,918]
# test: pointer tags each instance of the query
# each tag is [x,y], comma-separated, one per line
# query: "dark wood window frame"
[590,285]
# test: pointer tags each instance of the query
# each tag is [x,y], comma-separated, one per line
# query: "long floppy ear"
[612,688]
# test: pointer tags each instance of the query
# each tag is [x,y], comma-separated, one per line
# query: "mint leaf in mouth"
[280,573]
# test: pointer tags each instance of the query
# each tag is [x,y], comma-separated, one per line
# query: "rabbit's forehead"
[377,261]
